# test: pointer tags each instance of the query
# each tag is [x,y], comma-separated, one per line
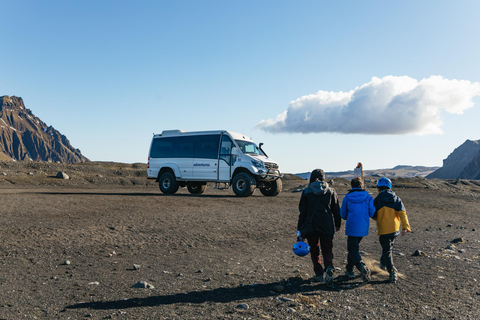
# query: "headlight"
[258,164]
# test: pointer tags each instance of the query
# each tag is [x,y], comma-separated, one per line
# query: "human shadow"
[221,295]
[224,295]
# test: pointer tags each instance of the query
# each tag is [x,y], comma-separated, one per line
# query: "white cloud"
[388,105]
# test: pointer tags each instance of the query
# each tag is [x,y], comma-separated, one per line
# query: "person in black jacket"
[320,200]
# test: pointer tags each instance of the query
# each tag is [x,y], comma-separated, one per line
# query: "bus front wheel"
[243,184]
[272,188]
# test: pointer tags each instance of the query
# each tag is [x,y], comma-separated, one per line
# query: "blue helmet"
[301,248]
[384,182]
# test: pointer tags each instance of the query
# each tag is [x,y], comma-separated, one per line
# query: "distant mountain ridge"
[462,163]
[400,171]
[23,136]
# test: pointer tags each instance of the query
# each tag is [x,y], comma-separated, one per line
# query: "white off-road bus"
[191,159]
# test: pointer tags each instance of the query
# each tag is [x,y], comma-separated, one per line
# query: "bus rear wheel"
[167,183]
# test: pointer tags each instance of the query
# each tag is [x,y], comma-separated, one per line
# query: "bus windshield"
[248,147]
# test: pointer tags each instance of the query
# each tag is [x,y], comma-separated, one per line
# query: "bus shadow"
[133,194]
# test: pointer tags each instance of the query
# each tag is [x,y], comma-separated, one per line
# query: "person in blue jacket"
[357,208]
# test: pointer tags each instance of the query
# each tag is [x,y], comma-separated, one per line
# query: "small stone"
[136,266]
[94,283]
[143,285]
[243,306]
[278,288]
[66,262]
[291,310]
[286,299]
[449,225]
[458,240]
[419,253]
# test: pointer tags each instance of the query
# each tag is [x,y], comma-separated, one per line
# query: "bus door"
[225,159]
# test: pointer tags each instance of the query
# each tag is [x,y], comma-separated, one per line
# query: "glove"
[299,236]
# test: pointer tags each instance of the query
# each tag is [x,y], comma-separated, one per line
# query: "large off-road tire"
[196,188]
[272,188]
[243,184]
[167,183]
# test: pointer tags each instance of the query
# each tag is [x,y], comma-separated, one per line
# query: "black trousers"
[353,257]
[386,241]
[325,242]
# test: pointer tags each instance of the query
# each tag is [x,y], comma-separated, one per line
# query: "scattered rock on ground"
[62,175]
[143,285]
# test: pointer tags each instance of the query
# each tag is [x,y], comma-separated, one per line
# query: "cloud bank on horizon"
[388,105]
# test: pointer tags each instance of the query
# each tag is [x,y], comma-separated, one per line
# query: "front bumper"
[269,174]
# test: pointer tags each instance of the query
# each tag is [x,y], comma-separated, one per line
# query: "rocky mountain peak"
[8,102]
[23,136]
[462,163]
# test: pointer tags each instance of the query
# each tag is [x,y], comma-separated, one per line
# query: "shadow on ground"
[223,295]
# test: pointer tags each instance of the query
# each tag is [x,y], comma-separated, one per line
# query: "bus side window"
[206,147]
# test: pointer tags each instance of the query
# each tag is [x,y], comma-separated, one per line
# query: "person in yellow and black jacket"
[390,215]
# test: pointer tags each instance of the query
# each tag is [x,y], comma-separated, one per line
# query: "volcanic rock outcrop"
[462,163]
[23,136]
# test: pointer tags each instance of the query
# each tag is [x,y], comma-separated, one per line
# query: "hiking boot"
[366,273]
[393,276]
[350,274]
[329,277]
[319,278]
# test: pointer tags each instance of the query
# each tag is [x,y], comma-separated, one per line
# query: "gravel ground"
[80,248]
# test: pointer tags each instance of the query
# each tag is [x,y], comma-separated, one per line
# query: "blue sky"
[109,74]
